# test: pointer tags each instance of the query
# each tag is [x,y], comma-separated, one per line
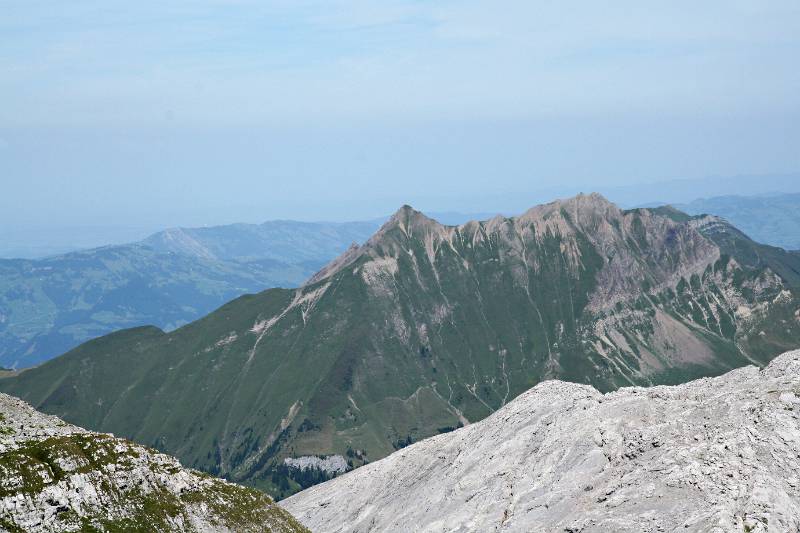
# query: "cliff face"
[56,477]
[717,454]
[427,327]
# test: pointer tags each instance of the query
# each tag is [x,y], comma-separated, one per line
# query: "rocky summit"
[713,455]
[56,477]
[429,327]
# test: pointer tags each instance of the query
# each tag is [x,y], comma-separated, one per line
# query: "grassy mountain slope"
[424,328]
[49,306]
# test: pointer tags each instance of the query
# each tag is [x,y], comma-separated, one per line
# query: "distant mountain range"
[48,306]
[773,219]
[427,327]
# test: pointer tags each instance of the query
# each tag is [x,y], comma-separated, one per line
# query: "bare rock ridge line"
[55,477]
[602,222]
[712,455]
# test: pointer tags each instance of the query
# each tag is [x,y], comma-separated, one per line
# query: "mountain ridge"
[423,328]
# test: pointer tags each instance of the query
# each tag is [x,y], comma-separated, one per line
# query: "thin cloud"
[246,60]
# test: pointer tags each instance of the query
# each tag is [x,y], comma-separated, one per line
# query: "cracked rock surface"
[713,455]
[57,477]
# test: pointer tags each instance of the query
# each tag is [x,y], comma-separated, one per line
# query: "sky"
[151,114]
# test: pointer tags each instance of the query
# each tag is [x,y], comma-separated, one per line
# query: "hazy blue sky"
[165,113]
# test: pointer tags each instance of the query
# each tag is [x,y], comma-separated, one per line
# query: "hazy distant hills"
[283,241]
[426,327]
[773,219]
[48,306]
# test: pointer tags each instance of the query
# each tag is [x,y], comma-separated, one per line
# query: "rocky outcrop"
[713,455]
[56,477]
[334,464]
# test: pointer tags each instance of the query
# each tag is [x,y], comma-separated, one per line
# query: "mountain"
[711,455]
[773,219]
[284,241]
[427,327]
[51,305]
[56,477]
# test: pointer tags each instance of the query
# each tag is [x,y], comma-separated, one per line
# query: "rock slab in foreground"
[57,477]
[713,455]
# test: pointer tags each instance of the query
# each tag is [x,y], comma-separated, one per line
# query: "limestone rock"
[57,477]
[713,455]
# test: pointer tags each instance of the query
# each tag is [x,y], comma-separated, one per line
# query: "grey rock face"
[57,477]
[334,464]
[713,455]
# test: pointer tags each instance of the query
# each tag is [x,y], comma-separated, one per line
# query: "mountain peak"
[580,208]
[407,215]
[408,220]
[593,201]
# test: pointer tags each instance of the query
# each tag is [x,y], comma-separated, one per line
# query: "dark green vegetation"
[427,327]
[49,306]
[773,219]
[286,481]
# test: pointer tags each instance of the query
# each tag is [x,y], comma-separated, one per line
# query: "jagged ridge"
[424,328]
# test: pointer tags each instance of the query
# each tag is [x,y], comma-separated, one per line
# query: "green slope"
[424,328]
